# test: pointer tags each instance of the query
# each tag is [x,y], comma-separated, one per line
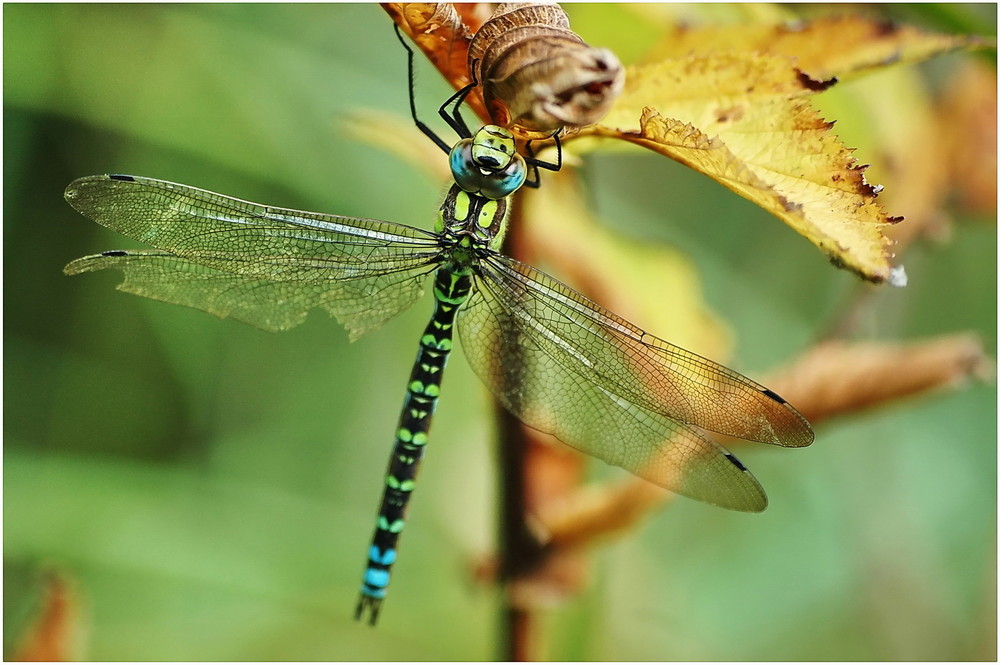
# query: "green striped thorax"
[487,170]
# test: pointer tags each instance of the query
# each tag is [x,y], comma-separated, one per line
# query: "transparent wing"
[568,367]
[263,265]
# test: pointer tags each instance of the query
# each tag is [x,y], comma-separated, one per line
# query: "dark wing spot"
[773,395]
[124,178]
[739,464]
[115,252]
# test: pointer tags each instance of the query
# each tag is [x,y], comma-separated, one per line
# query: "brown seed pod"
[537,74]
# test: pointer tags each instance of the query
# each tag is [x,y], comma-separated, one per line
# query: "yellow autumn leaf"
[824,47]
[630,278]
[743,120]
[907,149]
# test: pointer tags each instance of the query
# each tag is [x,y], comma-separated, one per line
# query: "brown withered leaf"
[474,14]
[442,35]
[968,120]
[834,378]
[53,634]
[590,514]
[838,46]
[742,120]
[537,74]
[837,377]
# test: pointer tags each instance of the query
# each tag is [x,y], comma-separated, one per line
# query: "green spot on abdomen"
[392,527]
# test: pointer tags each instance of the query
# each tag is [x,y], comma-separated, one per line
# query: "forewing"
[551,385]
[636,367]
[263,265]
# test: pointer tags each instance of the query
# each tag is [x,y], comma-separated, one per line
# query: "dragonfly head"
[488,163]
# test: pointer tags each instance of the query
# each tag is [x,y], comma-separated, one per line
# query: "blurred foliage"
[207,490]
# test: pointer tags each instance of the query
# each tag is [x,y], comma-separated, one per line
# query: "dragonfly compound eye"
[503,183]
[463,168]
[469,161]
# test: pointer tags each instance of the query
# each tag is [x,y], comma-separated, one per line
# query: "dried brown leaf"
[537,74]
[837,377]
[593,513]
[53,634]
[834,378]
[439,31]
[968,121]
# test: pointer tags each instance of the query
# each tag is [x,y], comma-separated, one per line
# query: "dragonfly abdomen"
[451,288]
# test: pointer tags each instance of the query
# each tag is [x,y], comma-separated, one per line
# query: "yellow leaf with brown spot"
[907,150]
[742,120]
[824,47]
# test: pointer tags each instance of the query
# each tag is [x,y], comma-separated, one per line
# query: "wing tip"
[757,501]
[797,437]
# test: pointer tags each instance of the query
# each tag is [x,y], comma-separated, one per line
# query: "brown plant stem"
[517,550]
[514,542]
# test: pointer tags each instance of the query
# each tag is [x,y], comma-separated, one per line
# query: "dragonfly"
[558,361]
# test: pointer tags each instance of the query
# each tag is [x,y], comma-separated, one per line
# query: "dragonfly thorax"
[471,220]
[488,163]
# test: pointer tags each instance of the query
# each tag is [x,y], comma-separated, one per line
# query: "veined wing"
[263,265]
[568,367]
[638,367]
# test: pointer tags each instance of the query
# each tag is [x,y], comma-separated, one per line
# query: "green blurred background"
[209,489]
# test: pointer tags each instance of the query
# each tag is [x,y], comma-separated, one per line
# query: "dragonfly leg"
[534,180]
[428,132]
